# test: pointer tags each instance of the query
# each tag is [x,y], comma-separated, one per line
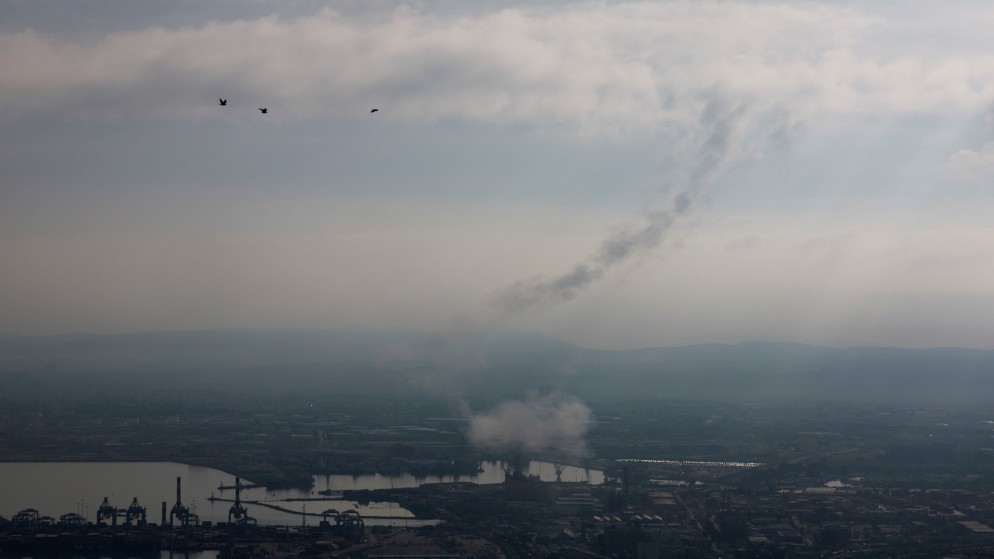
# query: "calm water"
[493,472]
[56,488]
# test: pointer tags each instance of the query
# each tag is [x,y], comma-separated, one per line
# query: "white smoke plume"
[721,132]
[548,423]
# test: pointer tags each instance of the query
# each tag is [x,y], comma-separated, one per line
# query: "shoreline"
[252,478]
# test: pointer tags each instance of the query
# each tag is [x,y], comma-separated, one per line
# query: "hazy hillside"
[501,364]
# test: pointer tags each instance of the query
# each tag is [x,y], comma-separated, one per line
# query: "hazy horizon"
[615,175]
[451,337]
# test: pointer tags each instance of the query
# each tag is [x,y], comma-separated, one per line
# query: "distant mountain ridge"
[505,363]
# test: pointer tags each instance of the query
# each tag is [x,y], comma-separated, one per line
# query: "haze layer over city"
[497,279]
[616,175]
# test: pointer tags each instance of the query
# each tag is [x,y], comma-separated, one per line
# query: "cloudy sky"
[615,174]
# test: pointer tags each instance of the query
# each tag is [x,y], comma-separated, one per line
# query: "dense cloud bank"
[592,68]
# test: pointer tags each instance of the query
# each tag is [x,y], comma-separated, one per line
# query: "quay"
[147,541]
[301,513]
[126,532]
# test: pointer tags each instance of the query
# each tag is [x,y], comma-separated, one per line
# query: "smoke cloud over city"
[548,423]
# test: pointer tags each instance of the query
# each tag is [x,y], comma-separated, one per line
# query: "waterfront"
[490,472]
[56,488]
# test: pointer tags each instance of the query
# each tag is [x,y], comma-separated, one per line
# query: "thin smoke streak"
[714,153]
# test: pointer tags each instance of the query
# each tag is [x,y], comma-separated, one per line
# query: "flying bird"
[263,110]
[373,110]
[222,101]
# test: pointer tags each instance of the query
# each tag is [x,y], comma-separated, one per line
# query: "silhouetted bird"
[373,110]
[222,101]
[263,110]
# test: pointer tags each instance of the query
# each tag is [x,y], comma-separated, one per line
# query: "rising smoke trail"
[558,424]
[719,147]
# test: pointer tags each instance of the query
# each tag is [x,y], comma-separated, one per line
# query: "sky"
[615,174]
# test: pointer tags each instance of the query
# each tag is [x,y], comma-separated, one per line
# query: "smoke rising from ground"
[547,423]
[721,130]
